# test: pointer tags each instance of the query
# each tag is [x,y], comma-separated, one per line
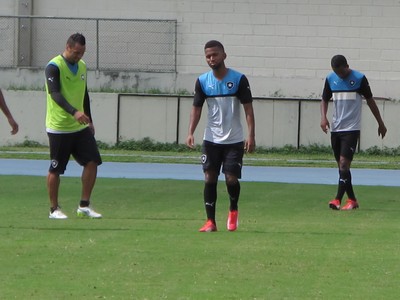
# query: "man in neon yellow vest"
[69,125]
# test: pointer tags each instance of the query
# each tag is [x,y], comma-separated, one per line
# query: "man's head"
[215,54]
[339,66]
[75,48]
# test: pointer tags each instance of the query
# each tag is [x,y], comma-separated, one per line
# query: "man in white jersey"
[224,144]
[346,88]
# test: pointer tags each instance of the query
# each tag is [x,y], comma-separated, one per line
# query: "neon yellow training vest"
[73,87]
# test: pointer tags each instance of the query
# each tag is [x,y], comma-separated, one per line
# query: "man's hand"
[250,145]
[325,125]
[190,141]
[382,130]
[14,125]
[81,118]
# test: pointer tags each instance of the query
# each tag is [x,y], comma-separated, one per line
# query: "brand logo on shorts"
[230,85]
[203,158]
[54,163]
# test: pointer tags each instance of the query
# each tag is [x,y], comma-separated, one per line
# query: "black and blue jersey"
[347,99]
[223,99]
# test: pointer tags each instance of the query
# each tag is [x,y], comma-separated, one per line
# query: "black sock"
[349,188]
[210,199]
[234,193]
[342,185]
[84,203]
[52,209]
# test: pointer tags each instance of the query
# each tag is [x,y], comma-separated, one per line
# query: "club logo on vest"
[230,85]
[83,76]
[203,158]
[352,82]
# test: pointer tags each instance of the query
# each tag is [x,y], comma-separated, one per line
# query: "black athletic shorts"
[81,145]
[230,156]
[344,143]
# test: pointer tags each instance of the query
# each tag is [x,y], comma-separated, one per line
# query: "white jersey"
[347,95]
[223,100]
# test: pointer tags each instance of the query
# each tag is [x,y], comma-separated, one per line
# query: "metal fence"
[111,44]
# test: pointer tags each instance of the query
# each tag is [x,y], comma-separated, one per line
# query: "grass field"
[289,245]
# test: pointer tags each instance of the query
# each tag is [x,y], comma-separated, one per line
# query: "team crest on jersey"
[83,77]
[230,85]
[203,158]
[352,82]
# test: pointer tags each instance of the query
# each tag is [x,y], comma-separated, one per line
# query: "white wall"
[157,117]
[283,46]
[29,110]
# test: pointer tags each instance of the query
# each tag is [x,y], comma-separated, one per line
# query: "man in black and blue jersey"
[346,87]
[224,144]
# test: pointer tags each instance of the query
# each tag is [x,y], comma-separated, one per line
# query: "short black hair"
[338,61]
[76,38]
[214,43]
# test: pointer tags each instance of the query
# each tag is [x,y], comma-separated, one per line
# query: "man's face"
[215,57]
[342,71]
[74,53]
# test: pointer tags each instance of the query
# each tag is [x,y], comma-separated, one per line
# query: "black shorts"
[344,143]
[230,156]
[82,145]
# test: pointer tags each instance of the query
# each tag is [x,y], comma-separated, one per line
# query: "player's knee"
[210,177]
[231,180]
[344,164]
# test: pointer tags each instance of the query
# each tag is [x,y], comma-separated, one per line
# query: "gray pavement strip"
[372,177]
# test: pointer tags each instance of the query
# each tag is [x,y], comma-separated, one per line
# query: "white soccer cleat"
[57,214]
[87,212]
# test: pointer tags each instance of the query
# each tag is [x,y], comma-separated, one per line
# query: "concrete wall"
[158,117]
[283,46]
[29,110]
[154,117]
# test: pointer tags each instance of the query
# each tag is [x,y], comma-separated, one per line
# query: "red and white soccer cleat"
[209,226]
[233,220]
[350,204]
[334,204]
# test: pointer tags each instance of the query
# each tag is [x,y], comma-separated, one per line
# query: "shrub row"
[148,144]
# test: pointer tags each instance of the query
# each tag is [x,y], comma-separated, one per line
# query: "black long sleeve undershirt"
[54,86]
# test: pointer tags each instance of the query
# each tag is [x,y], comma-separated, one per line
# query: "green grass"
[289,244]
